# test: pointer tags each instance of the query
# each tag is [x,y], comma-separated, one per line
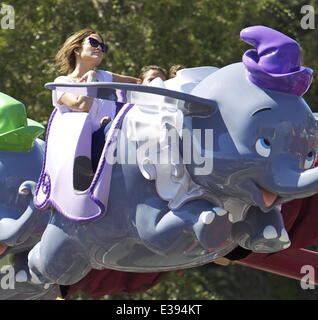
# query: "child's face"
[152,74]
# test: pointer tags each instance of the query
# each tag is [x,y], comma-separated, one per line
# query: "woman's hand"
[89,76]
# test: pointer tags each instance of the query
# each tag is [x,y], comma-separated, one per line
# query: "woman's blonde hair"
[65,57]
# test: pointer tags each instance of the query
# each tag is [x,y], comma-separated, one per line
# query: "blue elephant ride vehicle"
[192,167]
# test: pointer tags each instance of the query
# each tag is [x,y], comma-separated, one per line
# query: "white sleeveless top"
[100,108]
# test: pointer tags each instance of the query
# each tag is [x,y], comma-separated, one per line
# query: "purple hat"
[275,63]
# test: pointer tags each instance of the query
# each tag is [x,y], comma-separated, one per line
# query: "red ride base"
[287,263]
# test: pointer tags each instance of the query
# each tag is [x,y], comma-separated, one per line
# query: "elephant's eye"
[309,161]
[25,188]
[263,147]
[24,191]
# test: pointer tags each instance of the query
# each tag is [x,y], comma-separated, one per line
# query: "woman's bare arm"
[125,79]
[82,103]
[76,102]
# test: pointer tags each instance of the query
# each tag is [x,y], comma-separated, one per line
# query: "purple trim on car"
[109,141]
[45,181]
[81,219]
[122,96]
[44,175]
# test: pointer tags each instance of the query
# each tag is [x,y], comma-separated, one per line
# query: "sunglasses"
[95,43]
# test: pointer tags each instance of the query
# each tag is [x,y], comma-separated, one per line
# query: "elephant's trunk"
[14,232]
[17,231]
[289,180]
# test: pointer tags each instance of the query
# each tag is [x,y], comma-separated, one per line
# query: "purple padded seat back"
[68,140]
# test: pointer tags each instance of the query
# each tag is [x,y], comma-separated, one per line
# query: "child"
[149,73]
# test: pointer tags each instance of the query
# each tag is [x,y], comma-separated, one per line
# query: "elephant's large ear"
[189,104]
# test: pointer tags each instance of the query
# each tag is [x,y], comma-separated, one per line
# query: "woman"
[78,58]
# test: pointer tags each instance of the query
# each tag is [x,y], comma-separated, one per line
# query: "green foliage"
[162,32]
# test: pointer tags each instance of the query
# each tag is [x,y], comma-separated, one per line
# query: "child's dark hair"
[145,69]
